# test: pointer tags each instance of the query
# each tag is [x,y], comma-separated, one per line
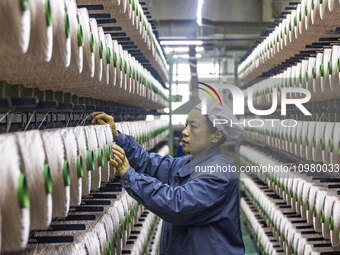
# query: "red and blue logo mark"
[210,91]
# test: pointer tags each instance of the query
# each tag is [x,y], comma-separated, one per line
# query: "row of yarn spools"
[53,45]
[130,17]
[309,140]
[46,172]
[305,25]
[285,230]
[319,74]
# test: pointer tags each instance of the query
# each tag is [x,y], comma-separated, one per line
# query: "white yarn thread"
[32,166]
[99,229]
[15,29]
[14,230]
[71,150]
[91,140]
[55,154]
[82,147]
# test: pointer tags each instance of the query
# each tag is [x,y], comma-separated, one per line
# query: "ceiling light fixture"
[199,12]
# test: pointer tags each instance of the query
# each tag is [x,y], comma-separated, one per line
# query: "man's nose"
[185,131]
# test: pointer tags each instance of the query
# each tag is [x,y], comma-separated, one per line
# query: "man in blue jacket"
[200,208]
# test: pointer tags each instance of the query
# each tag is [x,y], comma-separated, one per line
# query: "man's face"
[196,137]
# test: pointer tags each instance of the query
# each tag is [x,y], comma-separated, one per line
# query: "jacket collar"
[200,159]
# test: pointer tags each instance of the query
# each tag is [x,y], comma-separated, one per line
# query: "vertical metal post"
[171,130]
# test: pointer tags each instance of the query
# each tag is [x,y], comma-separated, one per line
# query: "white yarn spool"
[311,203]
[61,55]
[327,139]
[109,229]
[109,62]
[309,76]
[40,45]
[14,198]
[327,67]
[38,176]
[318,210]
[335,145]
[334,75]
[15,18]
[71,74]
[329,202]
[303,139]
[335,224]
[305,195]
[60,171]
[310,139]
[123,67]
[87,158]
[319,142]
[88,46]
[92,146]
[102,150]
[300,244]
[97,51]
[317,88]
[112,211]
[99,229]
[101,38]
[117,63]
[76,165]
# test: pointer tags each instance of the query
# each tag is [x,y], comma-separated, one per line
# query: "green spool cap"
[108,55]
[24,5]
[100,157]
[80,35]
[306,141]
[322,216]
[306,75]
[338,64]
[23,194]
[295,21]
[48,13]
[89,160]
[314,211]
[308,205]
[115,239]
[91,42]
[306,10]
[108,248]
[108,151]
[114,59]
[48,179]
[125,66]
[322,70]
[313,4]
[331,145]
[79,165]
[101,49]
[313,72]
[339,148]
[321,1]
[67,25]
[322,144]
[66,173]
[330,67]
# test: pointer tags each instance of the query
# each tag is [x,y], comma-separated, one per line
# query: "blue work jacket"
[201,210]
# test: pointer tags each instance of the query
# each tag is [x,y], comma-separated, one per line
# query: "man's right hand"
[102,118]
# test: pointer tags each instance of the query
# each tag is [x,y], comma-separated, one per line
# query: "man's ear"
[217,136]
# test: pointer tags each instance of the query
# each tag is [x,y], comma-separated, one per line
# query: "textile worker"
[200,210]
